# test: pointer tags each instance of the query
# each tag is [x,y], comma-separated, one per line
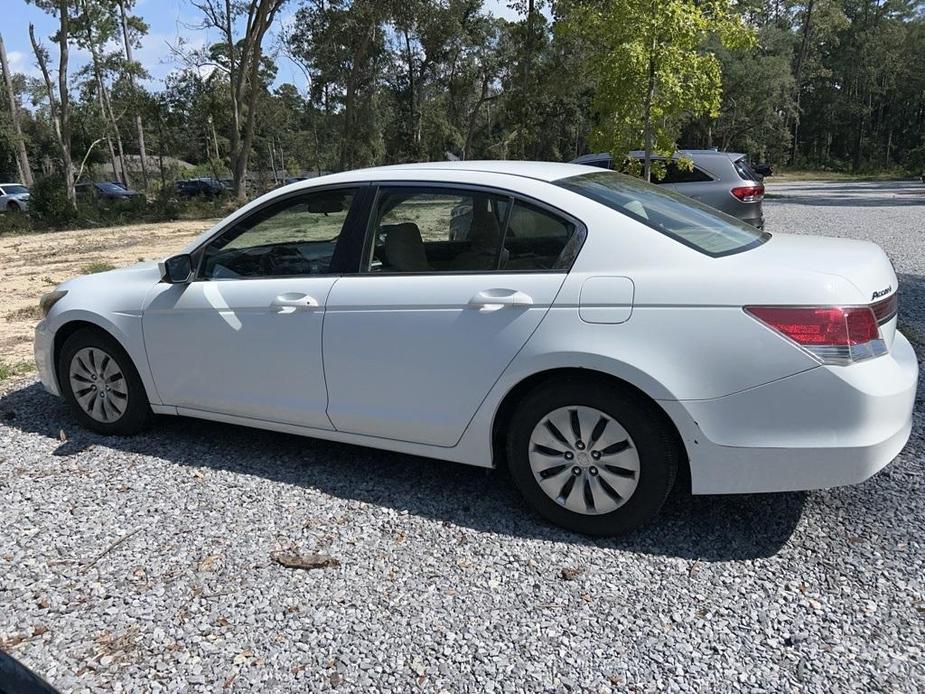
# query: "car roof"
[13,184]
[537,170]
[638,154]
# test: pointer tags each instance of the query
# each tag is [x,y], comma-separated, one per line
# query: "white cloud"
[21,62]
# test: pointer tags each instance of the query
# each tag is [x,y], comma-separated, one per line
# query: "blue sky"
[167,20]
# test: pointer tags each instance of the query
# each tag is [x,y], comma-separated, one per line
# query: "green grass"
[16,369]
[97,266]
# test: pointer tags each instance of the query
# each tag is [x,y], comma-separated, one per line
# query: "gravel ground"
[145,563]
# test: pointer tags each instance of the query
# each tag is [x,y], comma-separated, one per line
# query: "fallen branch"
[113,546]
[293,560]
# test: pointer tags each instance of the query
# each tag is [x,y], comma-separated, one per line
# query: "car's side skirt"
[456,454]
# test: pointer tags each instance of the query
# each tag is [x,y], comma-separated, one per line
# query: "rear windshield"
[682,218]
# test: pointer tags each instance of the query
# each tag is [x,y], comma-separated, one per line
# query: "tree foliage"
[834,84]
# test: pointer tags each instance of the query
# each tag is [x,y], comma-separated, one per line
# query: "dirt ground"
[33,264]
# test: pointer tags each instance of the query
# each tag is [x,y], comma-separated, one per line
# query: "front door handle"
[291,302]
[498,298]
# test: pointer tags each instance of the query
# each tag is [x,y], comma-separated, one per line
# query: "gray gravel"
[145,563]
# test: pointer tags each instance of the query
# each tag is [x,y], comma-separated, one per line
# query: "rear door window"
[434,229]
[676,173]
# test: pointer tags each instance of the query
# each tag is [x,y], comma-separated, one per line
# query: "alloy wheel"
[98,384]
[584,460]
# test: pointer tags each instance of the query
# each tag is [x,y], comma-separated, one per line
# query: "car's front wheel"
[591,457]
[101,384]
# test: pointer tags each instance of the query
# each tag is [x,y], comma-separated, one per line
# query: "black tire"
[655,443]
[136,412]
[16,678]
[13,207]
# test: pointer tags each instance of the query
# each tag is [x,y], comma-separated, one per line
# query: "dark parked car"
[106,191]
[203,187]
[723,180]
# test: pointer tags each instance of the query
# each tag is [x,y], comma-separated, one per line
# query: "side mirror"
[178,269]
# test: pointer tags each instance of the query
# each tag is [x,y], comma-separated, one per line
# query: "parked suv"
[723,180]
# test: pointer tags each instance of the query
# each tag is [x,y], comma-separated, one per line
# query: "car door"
[453,283]
[244,338]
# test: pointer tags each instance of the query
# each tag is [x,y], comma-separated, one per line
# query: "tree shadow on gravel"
[705,528]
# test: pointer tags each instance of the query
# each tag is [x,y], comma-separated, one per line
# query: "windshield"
[682,218]
[111,188]
[15,190]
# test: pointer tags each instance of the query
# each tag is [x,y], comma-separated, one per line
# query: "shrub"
[14,223]
[48,203]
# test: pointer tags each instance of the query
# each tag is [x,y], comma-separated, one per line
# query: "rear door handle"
[498,298]
[291,302]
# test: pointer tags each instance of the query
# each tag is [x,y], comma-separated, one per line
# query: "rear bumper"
[750,213]
[825,427]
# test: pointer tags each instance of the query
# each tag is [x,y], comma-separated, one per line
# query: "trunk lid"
[869,278]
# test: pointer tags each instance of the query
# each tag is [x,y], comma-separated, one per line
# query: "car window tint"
[745,171]
[436,230]
[535,239]
[673,172]
[677,174]
[296,237]
[682,218]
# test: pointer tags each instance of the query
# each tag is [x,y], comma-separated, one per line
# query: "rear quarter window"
[745,171]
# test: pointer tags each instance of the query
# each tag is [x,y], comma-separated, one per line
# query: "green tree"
[651,67]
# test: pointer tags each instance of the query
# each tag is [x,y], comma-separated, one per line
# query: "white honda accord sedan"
[598,335]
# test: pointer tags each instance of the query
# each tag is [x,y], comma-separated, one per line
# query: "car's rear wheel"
[592,457]
[101,384]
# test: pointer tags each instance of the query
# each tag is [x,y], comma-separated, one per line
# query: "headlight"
[50,299]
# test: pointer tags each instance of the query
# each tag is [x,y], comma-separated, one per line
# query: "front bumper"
[825,427]
[44,349]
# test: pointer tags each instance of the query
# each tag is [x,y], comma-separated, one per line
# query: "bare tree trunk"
[22,156]
[409,57]
[273,163]
[473,117]
[131,79]
[647,118]
[798,77]
[59,105]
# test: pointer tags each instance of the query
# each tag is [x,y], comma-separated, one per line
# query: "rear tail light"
[748,193]
[832,334]
[886,310]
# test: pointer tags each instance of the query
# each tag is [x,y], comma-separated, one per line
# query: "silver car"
[14,197]
[723,180]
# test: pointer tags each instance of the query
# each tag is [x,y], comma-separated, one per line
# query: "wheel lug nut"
[576,471]
[592,470]
[569,455]
[596,455]
[580,445]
